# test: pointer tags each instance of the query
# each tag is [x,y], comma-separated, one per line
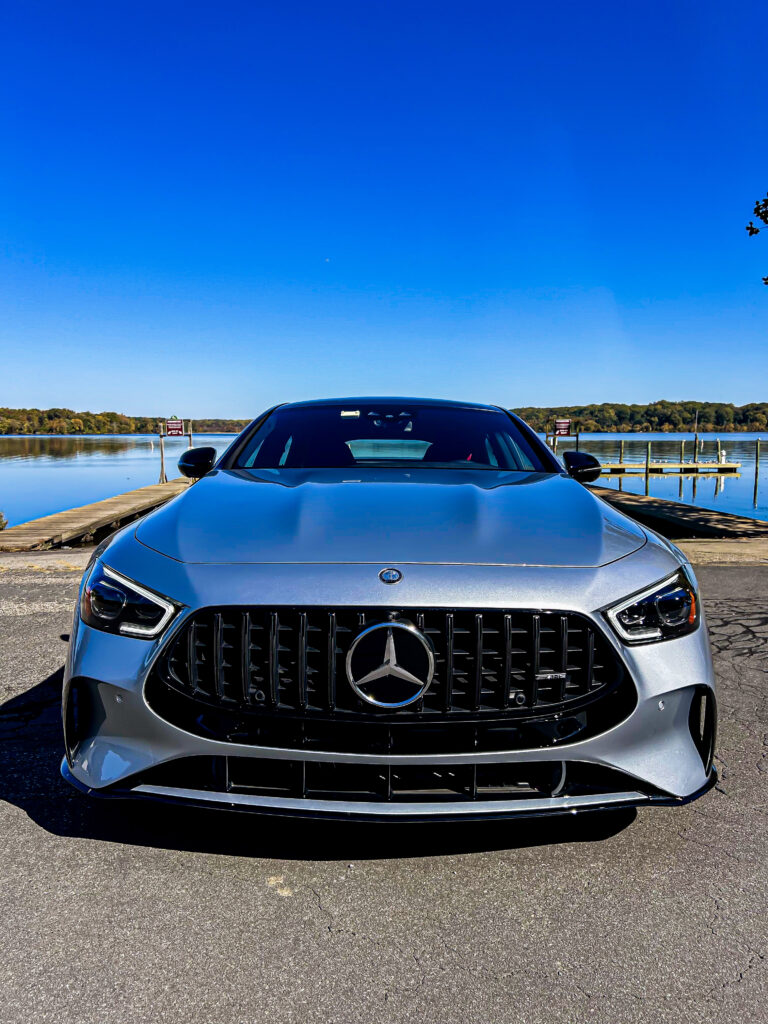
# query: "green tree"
[761,212]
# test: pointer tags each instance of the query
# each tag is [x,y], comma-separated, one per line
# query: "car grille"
[277,677]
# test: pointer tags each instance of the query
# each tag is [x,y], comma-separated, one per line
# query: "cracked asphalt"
[123,913]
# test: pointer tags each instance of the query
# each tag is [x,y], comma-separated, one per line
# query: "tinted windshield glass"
[335,436]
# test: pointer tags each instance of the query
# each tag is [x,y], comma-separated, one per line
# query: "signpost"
[172,427]
[562,429]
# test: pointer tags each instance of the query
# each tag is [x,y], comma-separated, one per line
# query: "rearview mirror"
[196,462]
[582,467]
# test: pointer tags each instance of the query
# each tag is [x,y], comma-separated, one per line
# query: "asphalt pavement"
[130,912]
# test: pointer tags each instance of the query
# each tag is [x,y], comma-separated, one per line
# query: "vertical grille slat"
[274,659]
[218,656]
[448,704]
[590,673]
[563,667]
[489,662]
[507,677]
[192,658]
[332,644]
[478,660]
[535,659]
[247,664]
[302,666]
[245,654]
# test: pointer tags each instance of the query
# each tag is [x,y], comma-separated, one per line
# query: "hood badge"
[390,575]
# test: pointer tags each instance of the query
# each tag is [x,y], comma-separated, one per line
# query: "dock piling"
[757,470]
[163,478]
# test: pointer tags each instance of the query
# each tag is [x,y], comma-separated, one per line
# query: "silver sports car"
[389,608]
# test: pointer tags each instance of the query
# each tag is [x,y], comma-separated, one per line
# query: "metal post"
[163,478]
[757,470]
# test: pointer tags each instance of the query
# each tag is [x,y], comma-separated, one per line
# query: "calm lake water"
[45,473]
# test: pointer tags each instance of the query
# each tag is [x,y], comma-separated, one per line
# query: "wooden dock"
[610,468]
[90,522]
[675,520]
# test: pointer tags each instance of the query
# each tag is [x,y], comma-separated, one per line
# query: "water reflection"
[58,447]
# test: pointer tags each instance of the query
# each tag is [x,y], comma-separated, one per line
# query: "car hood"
[390,517]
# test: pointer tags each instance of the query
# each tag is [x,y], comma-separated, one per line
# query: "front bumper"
[650,757]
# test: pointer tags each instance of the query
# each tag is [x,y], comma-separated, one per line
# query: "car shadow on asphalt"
[31,747]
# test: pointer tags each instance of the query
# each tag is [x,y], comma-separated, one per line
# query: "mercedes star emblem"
[390,664]
[390,575]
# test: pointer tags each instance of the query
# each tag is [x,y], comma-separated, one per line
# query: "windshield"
[389,434]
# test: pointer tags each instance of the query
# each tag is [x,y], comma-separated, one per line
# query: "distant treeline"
[608,417]
[664,416]
[66,421]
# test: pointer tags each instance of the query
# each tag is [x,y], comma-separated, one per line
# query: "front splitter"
[358,810]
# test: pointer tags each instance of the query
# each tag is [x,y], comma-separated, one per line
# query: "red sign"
[562,428]
[174,428]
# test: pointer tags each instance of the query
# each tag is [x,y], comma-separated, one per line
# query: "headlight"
[664,611]
[118,605]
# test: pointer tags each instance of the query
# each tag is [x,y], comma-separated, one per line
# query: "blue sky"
[207,208]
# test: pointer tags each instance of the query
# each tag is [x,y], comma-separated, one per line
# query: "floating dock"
[90,522]
[695,466]
[611,468]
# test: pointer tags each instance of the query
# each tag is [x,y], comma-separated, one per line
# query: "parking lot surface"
[116,912]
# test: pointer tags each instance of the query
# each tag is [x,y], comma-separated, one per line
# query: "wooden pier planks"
[76,523]
[674,519]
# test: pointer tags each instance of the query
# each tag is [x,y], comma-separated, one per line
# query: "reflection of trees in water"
[69,446]
[66,447]
[607,448]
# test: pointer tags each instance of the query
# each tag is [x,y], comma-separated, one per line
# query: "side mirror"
[582,467]
[196,462]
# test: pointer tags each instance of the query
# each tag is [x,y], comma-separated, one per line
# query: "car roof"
[397,399]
